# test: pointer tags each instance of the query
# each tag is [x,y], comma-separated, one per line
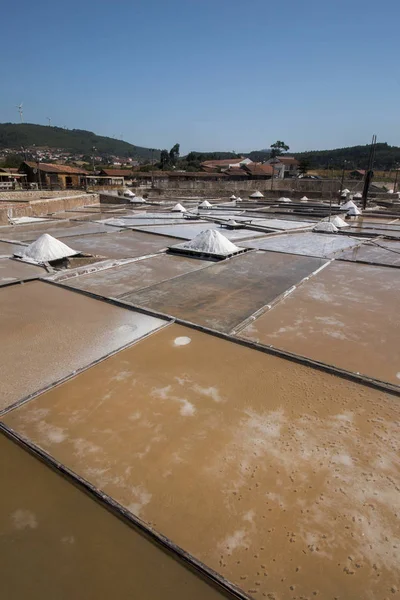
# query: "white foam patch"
[187,409]
[24,519]
[182,341]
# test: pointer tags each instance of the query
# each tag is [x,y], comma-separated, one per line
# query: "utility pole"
[395,177]
[369,174]
[93,151]
[152,167]
[342,180]
[49,120]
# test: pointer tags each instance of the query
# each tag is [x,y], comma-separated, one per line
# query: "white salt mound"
[283,199]
[232,222]
[137,199]
[239,199]
[256,194]
[129,194]
[345,191]
[348,205]
[303,199]
[358,195]
[325,227]
[205,204]
[45,249]
[390,191]
[179,208]
[209,241]
[337,221]
[354,211]
[233,197]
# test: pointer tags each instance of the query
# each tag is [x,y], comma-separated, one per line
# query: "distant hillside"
[77,141]
[386,157]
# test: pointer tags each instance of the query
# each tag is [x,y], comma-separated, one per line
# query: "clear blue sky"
[211,75]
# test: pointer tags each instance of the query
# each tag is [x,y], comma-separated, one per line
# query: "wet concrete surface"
[49,332]
[226,293]
[117,281]
[189,231]
[282,478]
[29,233]
[347,316]
[7,249]
[373,231]
[126,244]
[384,252]
[14,270]
[308,244]
[58,543]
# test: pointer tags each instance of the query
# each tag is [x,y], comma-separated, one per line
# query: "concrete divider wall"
[38,207]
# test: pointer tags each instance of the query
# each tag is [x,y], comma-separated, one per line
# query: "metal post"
[369,174]
[152,169]
[38,173]
[342,180]
[93,151]
[395,179]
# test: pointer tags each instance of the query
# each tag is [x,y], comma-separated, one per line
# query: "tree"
[12,161]
[304,166]
[278,148]
[164,158]
[174,154]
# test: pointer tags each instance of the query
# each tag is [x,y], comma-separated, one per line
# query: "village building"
[225,164]
[285,166]
[53,176]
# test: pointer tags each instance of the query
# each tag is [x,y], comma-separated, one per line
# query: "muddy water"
[13,270]
[284,479]
[56,542]
[137,275]
[228,292]
[347,316]
[49,332]
[127,244]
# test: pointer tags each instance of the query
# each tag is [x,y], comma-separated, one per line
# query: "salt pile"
[179,208]
[137,199]
[45,249]
[209,241]
[283,199]
[233,197]
[337,221]
[205,204]
[354,211]
[129,194]
[256,194]
[239,199]
[390,191]
[304,199]
[348,205]
[23,220]
[325,227]
[345,191]
[232,222]
[358,195]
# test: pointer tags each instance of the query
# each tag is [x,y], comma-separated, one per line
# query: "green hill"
[386,157]
[78,141]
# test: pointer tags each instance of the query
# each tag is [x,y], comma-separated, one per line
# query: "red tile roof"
[116,172]
[222,163]
[259,169]
[65,169]
[236,172]
[287,160]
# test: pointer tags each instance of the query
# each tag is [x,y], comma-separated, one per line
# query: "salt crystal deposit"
[337,221]
[138,199]
[239,199]
[348,205]
[390,191]
[45,249]
[283,199]
[256,194]
[325,227]
[209,241]
[233,197]
[304,199]
[129,194]
[232,222]
[345,191]
[179,208]
[205,204]
[354,211]
[357,195]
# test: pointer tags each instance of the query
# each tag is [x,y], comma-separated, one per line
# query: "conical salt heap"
[256,194]
[337,221]
[233,197]
[325,227]
[179,208]
[354,211]
[45,249]
[304,199]
[348,205]
[283,199]
[358,195]
[205,204]
[209,241]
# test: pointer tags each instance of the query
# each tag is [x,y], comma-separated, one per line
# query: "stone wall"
[20,195]
[41,207]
